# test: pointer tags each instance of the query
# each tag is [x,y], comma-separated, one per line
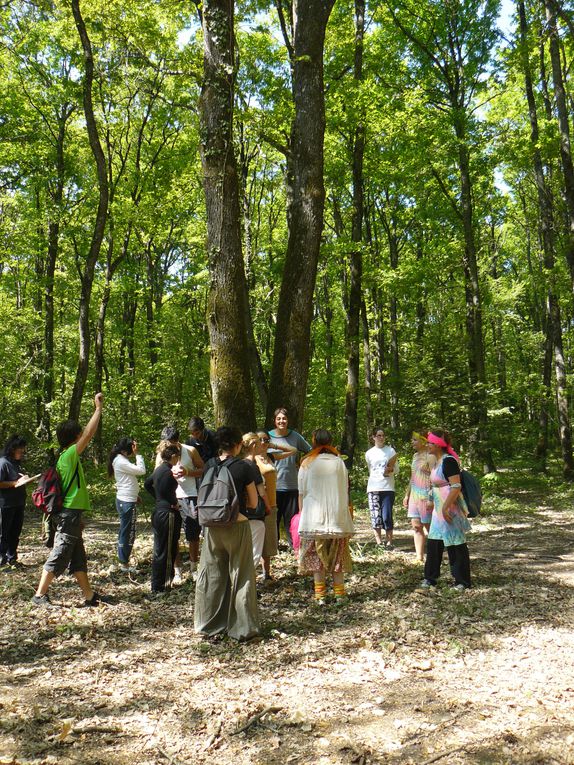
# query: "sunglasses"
[265,440]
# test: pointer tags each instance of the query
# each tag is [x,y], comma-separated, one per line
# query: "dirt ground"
[396,676]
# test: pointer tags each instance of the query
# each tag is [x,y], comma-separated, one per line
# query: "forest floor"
[396,676]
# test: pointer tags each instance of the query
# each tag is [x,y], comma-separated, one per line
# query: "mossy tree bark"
[226,310]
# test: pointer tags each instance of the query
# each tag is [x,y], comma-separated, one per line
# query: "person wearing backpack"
[68,550]
[449,522]
[225,593]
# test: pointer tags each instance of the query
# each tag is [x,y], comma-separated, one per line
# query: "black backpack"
[217,500]
[471,492]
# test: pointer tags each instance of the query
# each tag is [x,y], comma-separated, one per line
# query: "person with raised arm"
[68,550]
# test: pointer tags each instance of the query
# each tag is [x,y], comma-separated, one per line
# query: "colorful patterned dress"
[453,533]
[420,487]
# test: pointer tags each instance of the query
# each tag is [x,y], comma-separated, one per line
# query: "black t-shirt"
[450,467]
[10,471]
[162,485]
[207,448]
[241,473]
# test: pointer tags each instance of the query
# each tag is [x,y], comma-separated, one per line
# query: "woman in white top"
[325,526]
[126,474]
[383,467]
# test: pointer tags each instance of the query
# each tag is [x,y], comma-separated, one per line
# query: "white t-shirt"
[377,459]
[186,486]
[126,474]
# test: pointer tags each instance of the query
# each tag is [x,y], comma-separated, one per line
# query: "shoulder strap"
[72,479]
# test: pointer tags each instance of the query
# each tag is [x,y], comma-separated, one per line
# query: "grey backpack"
[217,500]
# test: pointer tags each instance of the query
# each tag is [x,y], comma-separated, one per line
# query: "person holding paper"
[12,499]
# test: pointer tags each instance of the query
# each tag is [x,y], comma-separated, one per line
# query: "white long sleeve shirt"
[126,474]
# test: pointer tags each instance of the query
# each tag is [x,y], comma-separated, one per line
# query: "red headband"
[438,441]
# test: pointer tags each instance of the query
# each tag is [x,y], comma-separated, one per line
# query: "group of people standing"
[279,478]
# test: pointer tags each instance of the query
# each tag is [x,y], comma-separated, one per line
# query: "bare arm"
[90,430]
[285,451]
[452,496]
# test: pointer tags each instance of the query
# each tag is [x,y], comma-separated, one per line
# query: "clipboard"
[30,479]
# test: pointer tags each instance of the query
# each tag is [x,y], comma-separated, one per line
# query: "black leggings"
[457,557]
[166,529]
[287,507]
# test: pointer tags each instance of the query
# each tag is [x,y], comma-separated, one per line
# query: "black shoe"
[42,601]
[96,599]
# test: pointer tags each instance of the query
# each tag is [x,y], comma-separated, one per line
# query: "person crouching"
[165,520]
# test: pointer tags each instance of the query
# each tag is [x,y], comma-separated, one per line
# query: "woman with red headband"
[449,523]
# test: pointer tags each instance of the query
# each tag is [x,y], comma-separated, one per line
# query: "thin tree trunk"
[564,128]
[353,328]
[255,363]
[368,366]
[226,311]
[305,207]
[552,318]
[99,222]
[479,442]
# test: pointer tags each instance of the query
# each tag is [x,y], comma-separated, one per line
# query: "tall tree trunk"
[326,310]
[305,207]
[478,418]
[395,370]
[50,270]
[552,319]
[100,219]
[564,127]
[368,366]
[255,363]
[226,310]
[353,328]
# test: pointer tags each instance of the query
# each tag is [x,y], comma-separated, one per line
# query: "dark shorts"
[188,511]
[68,550]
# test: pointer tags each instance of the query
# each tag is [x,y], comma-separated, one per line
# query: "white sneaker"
[125,569]
[426,585]
[178,576]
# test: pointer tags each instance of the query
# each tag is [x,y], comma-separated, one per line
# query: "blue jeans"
[127,532]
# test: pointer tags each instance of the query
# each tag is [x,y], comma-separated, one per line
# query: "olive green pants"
[225,592]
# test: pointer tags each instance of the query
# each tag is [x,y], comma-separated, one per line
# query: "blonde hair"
[248,441]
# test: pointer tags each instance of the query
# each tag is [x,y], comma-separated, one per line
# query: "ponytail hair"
[123,445]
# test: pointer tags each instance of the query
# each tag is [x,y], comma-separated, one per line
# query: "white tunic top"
[323,485]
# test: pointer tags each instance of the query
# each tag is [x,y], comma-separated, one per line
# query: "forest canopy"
[363,211]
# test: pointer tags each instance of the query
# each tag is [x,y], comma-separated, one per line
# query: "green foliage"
[412,100]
